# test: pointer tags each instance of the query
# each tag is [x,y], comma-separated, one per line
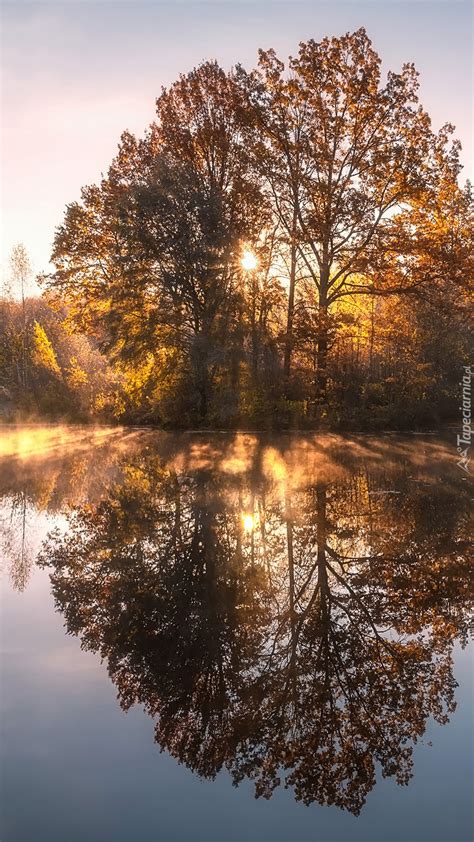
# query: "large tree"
[348,160]
[154,251]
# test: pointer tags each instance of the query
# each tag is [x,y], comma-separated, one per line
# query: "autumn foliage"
[355,310]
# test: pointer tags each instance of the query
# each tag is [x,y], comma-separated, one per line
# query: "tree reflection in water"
[287,612]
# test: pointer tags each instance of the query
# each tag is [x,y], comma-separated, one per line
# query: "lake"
[190,621]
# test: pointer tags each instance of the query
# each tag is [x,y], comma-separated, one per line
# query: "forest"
[285,248]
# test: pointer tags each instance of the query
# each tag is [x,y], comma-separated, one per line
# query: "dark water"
[286,614]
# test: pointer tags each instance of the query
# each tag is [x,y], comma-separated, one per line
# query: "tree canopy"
[349,204]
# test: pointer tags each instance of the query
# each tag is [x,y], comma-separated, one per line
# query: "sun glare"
[248,522]
[249,261]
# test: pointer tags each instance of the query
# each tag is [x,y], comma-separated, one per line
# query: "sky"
[75,74]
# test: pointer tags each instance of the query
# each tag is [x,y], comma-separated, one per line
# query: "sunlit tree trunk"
[323,340]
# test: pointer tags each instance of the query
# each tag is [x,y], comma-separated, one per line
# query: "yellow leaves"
[75,375]
[136,376]
[102,401]
[43,351]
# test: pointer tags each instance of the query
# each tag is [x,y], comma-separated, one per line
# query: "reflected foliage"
[283,609]
[48,470]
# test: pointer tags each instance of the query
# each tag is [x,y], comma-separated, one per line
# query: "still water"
[191,621]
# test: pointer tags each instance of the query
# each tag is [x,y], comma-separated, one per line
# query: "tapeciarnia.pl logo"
[464,440]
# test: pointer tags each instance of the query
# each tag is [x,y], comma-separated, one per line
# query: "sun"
[248,522]
[249,261]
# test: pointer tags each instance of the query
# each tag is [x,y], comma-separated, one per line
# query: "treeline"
[391,365]
[47,371]
[287,247]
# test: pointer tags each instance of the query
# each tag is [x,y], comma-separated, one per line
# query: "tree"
[349,163]
[277,121]
[21,272]
[155,250]
[43,351]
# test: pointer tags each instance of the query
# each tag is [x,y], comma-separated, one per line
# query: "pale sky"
[75,74]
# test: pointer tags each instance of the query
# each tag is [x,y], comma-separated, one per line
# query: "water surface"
[287,614]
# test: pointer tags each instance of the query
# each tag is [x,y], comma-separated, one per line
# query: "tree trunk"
[321,370]
[323,342]
[203,395]
[255,338]
[23,339]
[201,369]
[291,303]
